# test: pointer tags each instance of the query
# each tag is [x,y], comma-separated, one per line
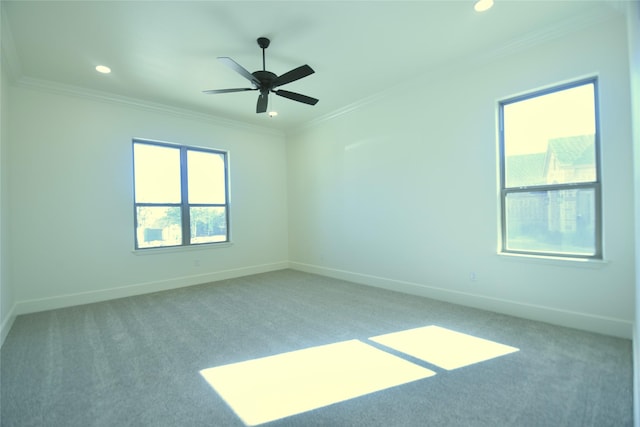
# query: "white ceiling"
[165,51]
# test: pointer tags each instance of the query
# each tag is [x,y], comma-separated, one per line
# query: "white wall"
[71,200]
[633,28]
[403,192]
[6,291]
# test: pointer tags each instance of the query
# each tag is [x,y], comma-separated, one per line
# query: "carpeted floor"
[138,361]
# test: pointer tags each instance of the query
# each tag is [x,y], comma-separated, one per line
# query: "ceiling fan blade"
[212,91]
[263,100]
[239,69]
[296,97]
[293,75]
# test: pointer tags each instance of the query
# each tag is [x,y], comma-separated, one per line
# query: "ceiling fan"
[266,81]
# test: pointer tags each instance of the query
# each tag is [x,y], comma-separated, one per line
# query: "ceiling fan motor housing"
[266,80]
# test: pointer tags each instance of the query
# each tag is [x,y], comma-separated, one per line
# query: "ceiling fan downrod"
[266,81]
[263,42]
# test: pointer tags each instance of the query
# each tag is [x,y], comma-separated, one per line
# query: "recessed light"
[483,5]
[103,69]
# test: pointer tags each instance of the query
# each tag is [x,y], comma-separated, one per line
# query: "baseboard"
[636,377]
[6,324]
[68,300]
[592,323]
[588,322]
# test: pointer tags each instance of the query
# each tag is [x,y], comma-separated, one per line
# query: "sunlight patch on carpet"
[443,347]
[274,387]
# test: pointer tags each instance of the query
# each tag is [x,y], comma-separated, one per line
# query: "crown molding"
[343,110]
[12,64]
[106,97]
[527,41]
[547,34]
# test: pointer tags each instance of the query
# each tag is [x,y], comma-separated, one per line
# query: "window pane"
[158,226]
[550,139]
[208,224]
[561,221]
[206,177]
[157,173]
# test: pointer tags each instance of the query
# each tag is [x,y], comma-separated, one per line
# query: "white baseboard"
[6,324]
[584,321]
[68,300]
[636,376]
[593,323]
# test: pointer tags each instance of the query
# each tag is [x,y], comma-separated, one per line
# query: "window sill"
[552,260]
[176,249]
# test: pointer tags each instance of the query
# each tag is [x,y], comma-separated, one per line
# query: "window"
[550,173]
[181,195]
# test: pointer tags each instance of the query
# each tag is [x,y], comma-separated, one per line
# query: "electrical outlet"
[473,276]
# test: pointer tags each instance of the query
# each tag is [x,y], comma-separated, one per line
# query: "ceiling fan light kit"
[266,82]
[483,5]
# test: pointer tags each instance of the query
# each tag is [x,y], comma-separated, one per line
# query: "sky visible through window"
[158,175]
[205,170]
[529,124]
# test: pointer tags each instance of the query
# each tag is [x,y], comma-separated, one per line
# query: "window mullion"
[184,191]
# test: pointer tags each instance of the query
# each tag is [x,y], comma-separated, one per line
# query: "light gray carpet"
[136,361]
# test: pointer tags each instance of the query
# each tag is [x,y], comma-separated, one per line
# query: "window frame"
[184,204]
[595,185]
